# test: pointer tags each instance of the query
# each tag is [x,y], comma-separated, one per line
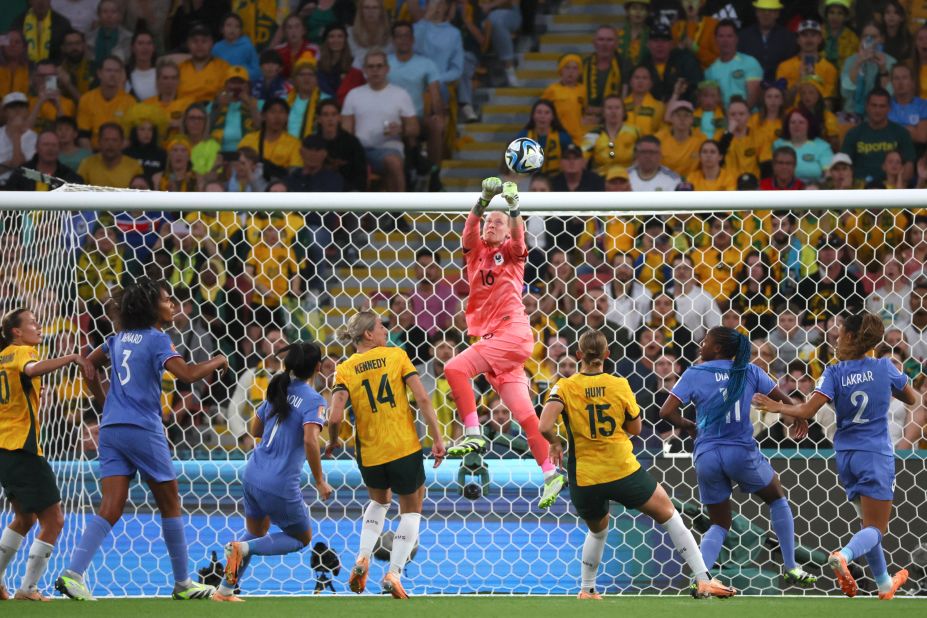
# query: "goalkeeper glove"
[510,193]
[492,187]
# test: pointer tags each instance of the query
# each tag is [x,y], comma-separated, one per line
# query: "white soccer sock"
[374,518]
[39,554]
[404,541]
[686,546]
[473,431]
[593,548]
[10,541]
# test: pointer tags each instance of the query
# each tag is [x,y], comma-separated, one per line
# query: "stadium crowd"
[212,95]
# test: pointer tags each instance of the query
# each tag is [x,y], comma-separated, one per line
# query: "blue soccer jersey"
[701,384]
[137,359]
[861,391]
[276,463]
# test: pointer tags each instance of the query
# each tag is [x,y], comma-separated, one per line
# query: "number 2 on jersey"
[860,399]
[598,417]
[384,393]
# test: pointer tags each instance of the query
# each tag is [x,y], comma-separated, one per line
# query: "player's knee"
[23,522]
[52,520]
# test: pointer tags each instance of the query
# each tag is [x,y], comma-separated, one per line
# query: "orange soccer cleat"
[898,581]
[587,595]
[392,585]
[838,563]
[226,598]
[712,588]
[358,580]
[233,558]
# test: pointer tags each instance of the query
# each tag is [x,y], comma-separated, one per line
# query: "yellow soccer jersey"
[376,385]
[19,400]
[595,407]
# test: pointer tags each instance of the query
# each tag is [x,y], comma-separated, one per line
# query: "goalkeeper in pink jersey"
[495,267]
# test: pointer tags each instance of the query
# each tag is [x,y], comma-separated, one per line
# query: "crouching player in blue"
[861,388]
[722,387]
[289,422]
[132,438]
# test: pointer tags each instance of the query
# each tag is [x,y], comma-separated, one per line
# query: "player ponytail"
[594,347]
[866,330]
[361,322]
[736,347]
[300,363]
[11,320]
[138,303]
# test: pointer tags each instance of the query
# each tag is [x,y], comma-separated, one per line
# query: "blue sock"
[96,531]
[244,561]
[876,559]
[275,544]
[176,541]
[780,514]
[861,543]
[712,541]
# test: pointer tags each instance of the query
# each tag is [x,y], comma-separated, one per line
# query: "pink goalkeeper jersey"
[497,279]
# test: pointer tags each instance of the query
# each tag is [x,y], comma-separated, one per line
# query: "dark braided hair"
[301,360]
[737,347]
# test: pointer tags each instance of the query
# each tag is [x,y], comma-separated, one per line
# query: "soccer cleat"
[898,581]
[233,558]
[798,577]
[72,585]
[193,591]
[226,598]
[467,445]
[838,563]
[587,595]
[552,488]
[35,595]
[711,588]
[392,585]
[357,582]
[4,593]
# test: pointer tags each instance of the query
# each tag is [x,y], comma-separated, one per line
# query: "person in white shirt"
[698,309]
[889,298]
[647,174]
[628,300]
[915,332]
[381,116]
[81,13]
[17,141]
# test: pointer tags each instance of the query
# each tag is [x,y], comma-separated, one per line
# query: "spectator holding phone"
[864,70]
[808,61]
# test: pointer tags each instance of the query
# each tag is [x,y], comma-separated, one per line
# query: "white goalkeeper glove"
[492,187]
[510,193]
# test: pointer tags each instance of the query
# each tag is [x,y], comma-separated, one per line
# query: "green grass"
[485,607]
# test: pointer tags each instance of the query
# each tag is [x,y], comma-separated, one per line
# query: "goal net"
[248,282]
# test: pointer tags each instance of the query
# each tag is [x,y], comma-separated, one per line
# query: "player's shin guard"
[593,548]
[685,544]
[176,540]
[10,542]
[39,554]
[277,544]
[861,543]
[374,518]
[516,398]
[404,541]
[780,514]
[712,542]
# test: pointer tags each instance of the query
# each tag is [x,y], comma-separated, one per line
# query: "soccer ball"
[524,156]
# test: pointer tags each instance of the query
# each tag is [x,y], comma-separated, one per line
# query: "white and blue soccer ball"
[524,156]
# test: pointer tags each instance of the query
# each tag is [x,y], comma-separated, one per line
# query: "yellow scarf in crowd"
[308,125]
[591,80]
[260,18]
[551,146]
[37,35]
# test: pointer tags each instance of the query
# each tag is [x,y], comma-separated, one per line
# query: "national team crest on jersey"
[498,259]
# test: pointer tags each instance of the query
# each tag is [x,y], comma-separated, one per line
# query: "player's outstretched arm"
[314,459]
[804,410]
[49,365]
[335,418]
[670,412]
[547,427]
[185,372]
[516,221]
[492,187]
[431,418]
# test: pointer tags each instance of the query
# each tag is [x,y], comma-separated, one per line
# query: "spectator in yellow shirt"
[569,96]
[278,150]
[679,142]
[718,264]
[107,103]
[710,176]
[767,122]
[632,39]
[709,115]
[14,72]
[613,142]
[202,75]
[46,102]
[109,167]
[697,33]
[741,148]
[809,61]
[840,42]
[274,273]
[811,99]
[644,111]
[167,82]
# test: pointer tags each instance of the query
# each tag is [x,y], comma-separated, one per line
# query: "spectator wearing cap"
[278,150]
[294,46]
[613,142]
[110,167]
[809,60]
[783,177]
[643,110]
[45,161]
[907,110]
[381,115]
[109,38]
[647,173]
[236,47]
[864,70]
[46,101]
[42,29]
[603,70]
[271,84]
[178,174]
[345,152]
[202,75]
[617,179]
[680,73]
[868,142]
[313,177]
[680,142]
[304,98]
[544,127]
[695,30]
[840,42]
[420,77]
[573,174]
[736,73]
[801,132]
[568,97]
[167,82]
[831,290]
[146,125]
[185,17]
[710,176]
[766,40]
[633,38]
[740,144]
[17,140]
[234,112]
[840,173]
[107,103]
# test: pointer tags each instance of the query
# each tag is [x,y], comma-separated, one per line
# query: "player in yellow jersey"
[26,477]
[600,413]
[387,448]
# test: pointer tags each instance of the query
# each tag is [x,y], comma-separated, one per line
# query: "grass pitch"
[485,607]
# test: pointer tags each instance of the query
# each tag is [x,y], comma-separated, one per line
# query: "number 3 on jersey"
[487,277]
[384,393]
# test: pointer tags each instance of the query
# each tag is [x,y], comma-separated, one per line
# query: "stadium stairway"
[503,110]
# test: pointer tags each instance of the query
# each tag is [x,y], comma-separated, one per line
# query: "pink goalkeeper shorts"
[506,351]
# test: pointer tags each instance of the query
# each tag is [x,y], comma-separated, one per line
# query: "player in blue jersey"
[289,422]
[721,387]
[132,438]
[860,388]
